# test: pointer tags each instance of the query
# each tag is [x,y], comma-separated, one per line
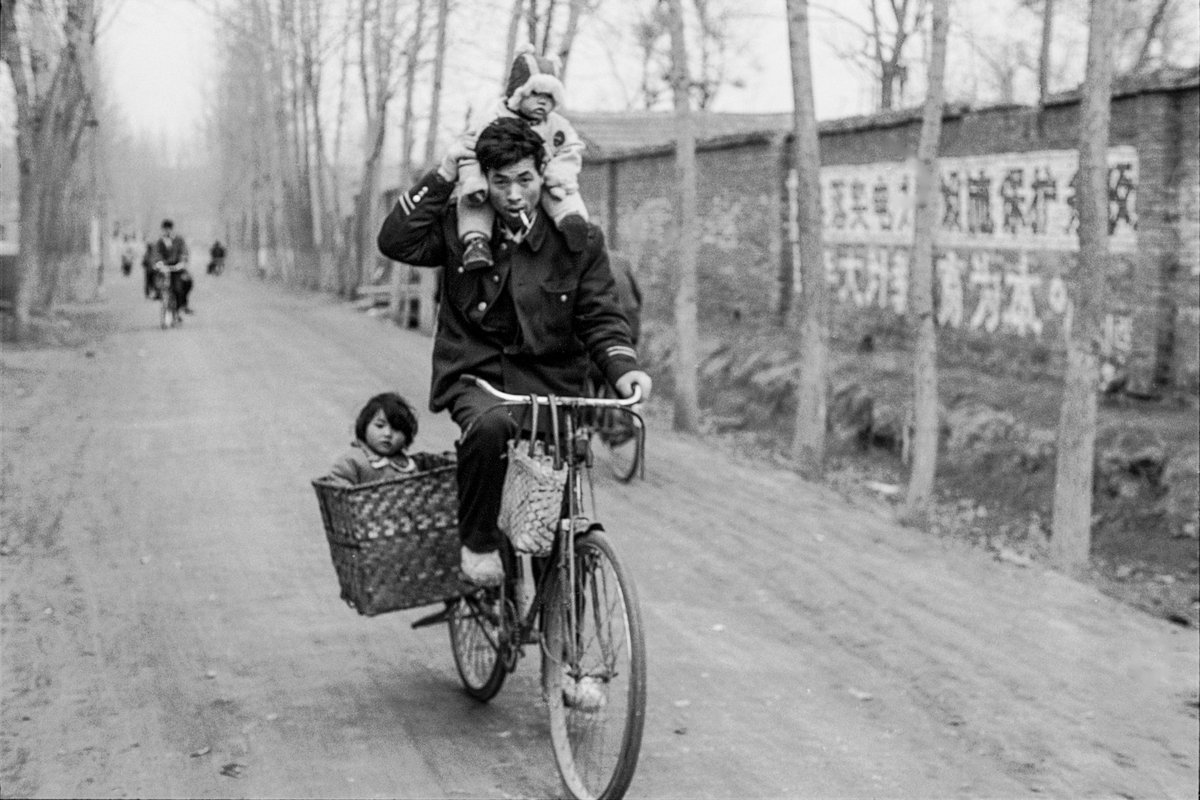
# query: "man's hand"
[636,377]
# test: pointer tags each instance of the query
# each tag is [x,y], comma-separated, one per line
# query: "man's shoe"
[482,569]
[477,254]
[187,310]
[575,229]
[586,694]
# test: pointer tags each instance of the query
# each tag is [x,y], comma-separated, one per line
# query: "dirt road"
[172,627]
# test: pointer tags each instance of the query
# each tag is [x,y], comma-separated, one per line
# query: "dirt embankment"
[996,466]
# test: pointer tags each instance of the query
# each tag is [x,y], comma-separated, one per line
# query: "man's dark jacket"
[171,254]
[565,304]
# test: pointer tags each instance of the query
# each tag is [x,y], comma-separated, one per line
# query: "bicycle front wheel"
[477,639]
[594,674]
[620,433]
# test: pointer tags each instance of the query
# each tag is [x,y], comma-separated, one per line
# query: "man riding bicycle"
[529,323]
[171,257]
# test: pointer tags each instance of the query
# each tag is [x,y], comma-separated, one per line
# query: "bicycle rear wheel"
[594,674]
[478,641]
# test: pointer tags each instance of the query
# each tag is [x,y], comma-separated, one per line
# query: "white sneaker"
[586,694]
[482,569]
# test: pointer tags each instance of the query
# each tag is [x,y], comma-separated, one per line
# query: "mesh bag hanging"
[531,500]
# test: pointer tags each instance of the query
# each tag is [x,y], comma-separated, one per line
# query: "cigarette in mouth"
[524,219]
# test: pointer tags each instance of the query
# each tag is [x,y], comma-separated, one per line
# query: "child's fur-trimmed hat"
[533,73]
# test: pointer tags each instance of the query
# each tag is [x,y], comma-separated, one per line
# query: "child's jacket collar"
[380,462]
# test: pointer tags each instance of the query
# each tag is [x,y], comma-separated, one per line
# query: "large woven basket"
[395,542]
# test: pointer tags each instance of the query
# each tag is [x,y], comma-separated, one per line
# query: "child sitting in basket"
[385,428]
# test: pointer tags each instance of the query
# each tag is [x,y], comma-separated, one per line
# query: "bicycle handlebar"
[544,400]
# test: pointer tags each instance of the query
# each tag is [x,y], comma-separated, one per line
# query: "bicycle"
[170,316]
[623,436]
[580,606]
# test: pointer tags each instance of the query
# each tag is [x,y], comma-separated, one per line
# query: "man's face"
[515,190]
[166,233]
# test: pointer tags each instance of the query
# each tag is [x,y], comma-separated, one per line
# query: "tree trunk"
[1044,54]
[435,99]
[1070,543]
[781,234]
[568,39]
[808,441]
[687,344]
[510,43]
[365,212]
[925,376]
[344,248]
[1143,57]
[408,115]
[53,104]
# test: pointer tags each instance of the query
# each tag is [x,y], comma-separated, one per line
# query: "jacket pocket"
[558,307]
[550,318]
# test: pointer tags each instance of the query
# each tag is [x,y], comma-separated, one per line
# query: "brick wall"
[1154,282]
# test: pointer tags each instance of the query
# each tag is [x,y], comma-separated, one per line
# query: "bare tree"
[575,13]
[925,373]
[510,45]
[687,336]
[378,36]
[435,96]
[713,44]
[880,46]
[1070,542]
[543,30]
[309,29]
[808,443]
[48,51]
[648,32]
[1152,29]
[1044,54]
[412,52]
[653,38]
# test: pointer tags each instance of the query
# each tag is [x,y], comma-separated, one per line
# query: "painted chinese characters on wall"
[1006,234]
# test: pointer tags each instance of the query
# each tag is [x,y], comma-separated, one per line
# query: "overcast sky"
[159,56]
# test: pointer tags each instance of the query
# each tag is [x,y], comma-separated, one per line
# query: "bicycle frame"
[560,562]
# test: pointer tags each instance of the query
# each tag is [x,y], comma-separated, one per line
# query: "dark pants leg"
[185,287]
[149,285]
[486,428]
[178,288]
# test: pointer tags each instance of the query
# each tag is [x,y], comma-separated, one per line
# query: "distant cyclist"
[171,255]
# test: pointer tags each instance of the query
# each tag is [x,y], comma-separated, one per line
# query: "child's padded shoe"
[477,253]
[575,229]
[482,569]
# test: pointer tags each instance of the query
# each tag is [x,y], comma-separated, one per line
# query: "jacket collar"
[380,462]
[537,233]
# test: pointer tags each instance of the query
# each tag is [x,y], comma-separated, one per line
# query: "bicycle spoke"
[477,642]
